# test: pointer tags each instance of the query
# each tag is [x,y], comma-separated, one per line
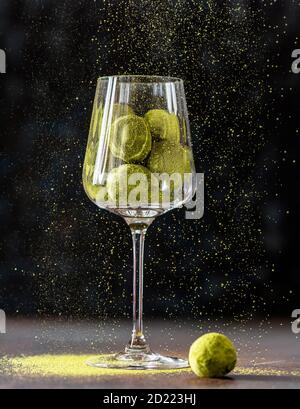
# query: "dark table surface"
[268,354]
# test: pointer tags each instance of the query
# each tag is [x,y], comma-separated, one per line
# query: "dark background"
[61,255]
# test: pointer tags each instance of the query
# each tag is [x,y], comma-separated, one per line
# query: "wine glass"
[139,165]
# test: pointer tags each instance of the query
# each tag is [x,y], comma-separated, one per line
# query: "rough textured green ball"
[121,110]
[96,120]
[163,125]
[212,355]
[97,193]
[119,185]
[169,157]
[130,138]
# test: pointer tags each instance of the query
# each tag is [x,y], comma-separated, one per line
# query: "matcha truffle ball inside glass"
[97,193]
[130,138]
[96,120]
[121,110]
[163,125]
[212,355]
[172,164]
[129,184]
[169,157]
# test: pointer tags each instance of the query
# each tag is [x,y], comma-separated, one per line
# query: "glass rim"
[143,79]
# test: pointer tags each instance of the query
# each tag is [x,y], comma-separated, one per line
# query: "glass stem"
[138,342]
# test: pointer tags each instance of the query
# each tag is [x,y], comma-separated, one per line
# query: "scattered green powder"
[69,366]
[265,372]
[72,366]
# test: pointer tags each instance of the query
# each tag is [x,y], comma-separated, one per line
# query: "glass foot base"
[142,360]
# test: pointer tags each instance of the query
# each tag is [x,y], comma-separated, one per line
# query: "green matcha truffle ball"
[129,184]
[169,157]
[97,193]
[212,355]
[163,125]
[130,138]
[121,110]
[96,120]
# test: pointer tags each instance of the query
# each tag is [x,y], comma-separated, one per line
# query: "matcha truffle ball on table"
[212,355]
[130,138]
[129,184]
[163,125]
